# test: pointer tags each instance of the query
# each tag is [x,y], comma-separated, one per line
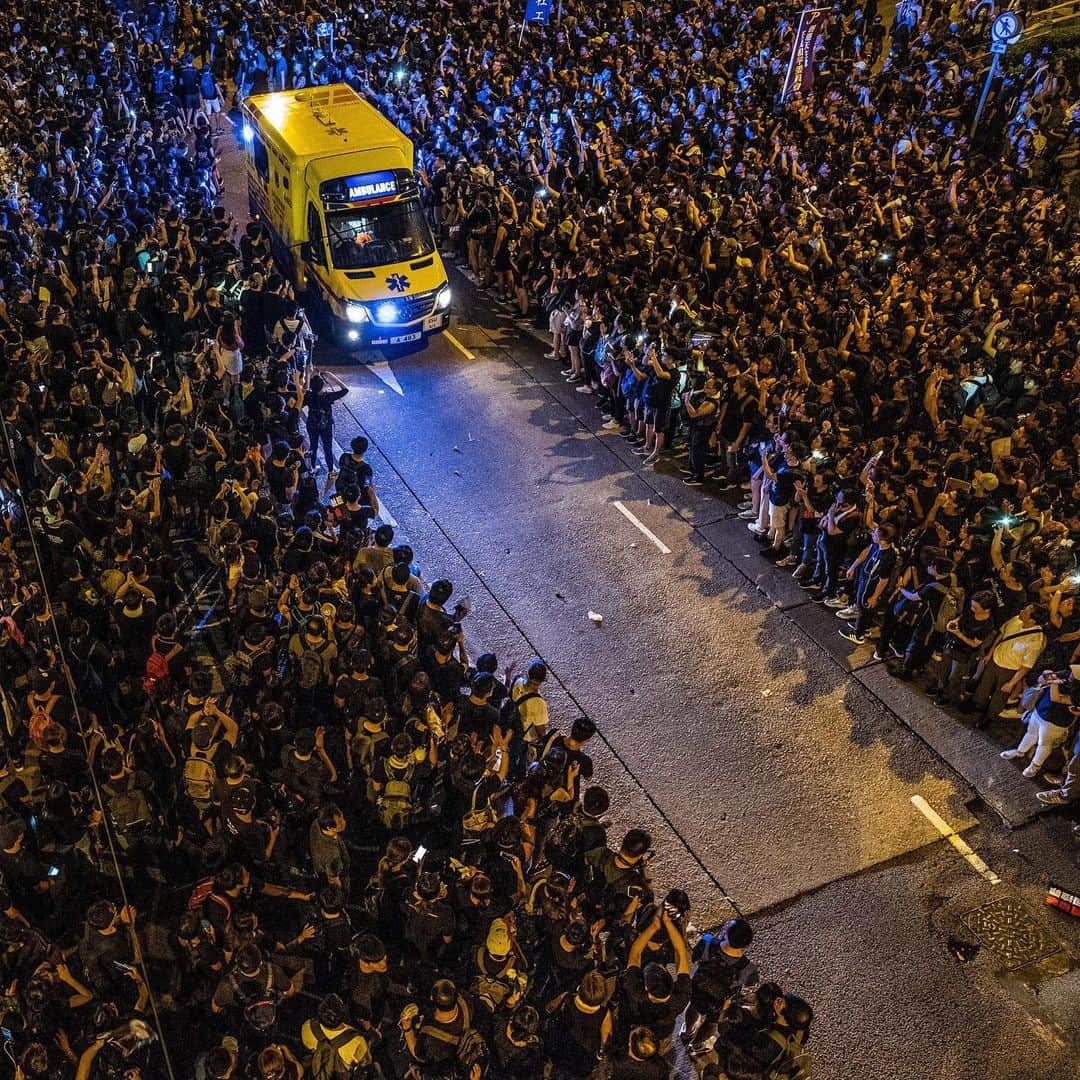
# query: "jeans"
[699,450]
[830,556]
[1041,736]
[325,437]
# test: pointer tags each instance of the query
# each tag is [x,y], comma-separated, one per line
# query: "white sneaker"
[551,356]
[612,425]
[1010,755]
[584,388]
[837,602]
[652,459]
[1032,771]
[748,515]
[847,613]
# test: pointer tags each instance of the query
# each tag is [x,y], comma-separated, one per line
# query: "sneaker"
[652,459]
[837,602]
[551,356]
[1054,779]
[877,657]
[629,436]
[745,504]
[641,451]
[566,370]
[787,560]
[585,388]
[724,484]
[799,573]
[1008,755]
[748,515]
[759,533]
[1032,771]
[690,481]
[611,425]
[847,613]
[809,586]
[1051,798]
[573,378]
[850,635]
[606,417]
[1009,714]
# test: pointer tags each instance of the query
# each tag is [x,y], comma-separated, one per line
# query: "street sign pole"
[1006,30]
[985,92]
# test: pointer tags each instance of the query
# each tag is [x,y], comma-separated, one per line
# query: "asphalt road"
[772,782]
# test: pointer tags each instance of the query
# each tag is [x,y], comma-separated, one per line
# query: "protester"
[843,306]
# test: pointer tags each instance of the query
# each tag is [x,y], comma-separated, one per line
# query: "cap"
[498,938]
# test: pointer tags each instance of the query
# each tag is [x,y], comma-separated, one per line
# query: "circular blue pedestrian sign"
[1007,28]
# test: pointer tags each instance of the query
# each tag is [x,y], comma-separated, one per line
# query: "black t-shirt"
[658,1016]
[367,992]
[627,1068]
[320,412]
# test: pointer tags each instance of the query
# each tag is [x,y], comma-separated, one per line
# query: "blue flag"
[537,11]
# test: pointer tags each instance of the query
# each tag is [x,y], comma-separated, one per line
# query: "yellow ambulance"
[333,180]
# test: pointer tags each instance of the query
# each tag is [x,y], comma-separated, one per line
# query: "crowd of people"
[847,309]
[261,813]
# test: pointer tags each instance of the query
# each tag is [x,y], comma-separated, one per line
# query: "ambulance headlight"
[355,312]
[386,312]
[442,302]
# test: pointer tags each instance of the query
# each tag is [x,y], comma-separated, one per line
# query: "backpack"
[365,748]
[396,799]
[40,719]
[200,775]
[951,604]
[196,475]
[478,819]
[793,1062]
[493,987]
[156,672]
[326,1061]
[310,663]
[260,1006]
[469,1045]
[510,712]
[128,808]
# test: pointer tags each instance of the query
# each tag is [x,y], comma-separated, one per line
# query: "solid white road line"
[950,834]
[457,345]
[664,549]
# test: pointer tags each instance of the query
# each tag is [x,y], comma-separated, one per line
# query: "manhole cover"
[1006,927]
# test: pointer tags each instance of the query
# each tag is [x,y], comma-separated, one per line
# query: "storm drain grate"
[1006,927]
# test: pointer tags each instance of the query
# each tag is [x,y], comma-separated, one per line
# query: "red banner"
[808,41]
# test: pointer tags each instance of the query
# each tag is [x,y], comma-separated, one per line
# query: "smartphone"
[6,1033]
[54,871]
[419,854]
